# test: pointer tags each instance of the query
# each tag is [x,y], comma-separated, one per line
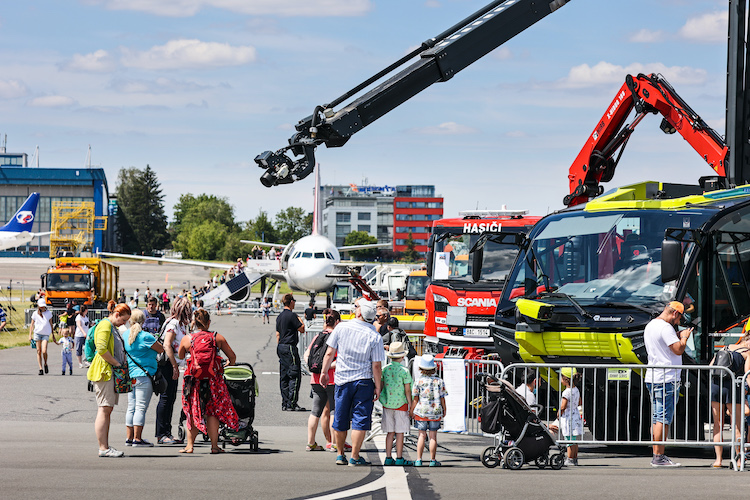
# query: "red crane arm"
[646,94]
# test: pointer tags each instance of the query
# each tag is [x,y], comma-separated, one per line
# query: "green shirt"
[395,377]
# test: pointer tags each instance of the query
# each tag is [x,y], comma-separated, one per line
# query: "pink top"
[315,377]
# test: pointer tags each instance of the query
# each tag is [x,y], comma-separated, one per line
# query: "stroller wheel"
[542,461]
[490,458]
[556,461]
[514,458]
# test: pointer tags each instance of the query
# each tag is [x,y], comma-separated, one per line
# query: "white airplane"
[304,264]
[17,232]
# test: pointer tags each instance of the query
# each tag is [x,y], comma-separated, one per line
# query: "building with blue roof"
[18,181]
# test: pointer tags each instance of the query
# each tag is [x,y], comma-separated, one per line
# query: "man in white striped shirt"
[359,353]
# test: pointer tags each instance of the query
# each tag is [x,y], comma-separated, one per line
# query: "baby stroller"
[523,437]
[243,389]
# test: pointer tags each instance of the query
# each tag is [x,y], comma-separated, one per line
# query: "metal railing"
[93,315]
[616,405]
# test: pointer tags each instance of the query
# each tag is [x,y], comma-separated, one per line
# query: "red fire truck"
[462,297]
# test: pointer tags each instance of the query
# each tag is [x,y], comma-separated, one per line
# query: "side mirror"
[476,265]
[428,261]
[671,260]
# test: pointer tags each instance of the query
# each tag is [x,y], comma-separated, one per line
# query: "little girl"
[428,407]
[571,424]
[67,350]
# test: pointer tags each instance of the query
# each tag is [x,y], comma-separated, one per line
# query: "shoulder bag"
[158,382]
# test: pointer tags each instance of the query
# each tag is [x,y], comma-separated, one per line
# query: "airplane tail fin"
[23,220]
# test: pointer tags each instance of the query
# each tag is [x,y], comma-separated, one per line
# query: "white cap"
[41,303]
[367,309]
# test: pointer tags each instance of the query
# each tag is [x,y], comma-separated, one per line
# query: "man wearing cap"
[664,347]
[288,328]
[359,354]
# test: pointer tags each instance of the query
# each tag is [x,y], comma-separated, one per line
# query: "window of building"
[363,216]
[400,242]
[403,204]
[403,217]
[343,230]
[434,204]
[364,228]
[343,217]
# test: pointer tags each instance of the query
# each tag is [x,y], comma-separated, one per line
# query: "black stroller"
[243,389]
[523,437]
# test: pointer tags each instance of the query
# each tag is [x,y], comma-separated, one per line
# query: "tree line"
[204,226]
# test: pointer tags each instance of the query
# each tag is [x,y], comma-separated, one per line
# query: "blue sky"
[197,88]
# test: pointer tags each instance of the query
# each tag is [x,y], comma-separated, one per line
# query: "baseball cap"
[677,306]
[567,371]
[41,303]
[367,309]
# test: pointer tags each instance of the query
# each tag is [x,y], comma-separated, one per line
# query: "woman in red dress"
[205,398]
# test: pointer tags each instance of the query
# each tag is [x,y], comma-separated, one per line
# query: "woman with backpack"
[323,397]
[738,361]
[205,397]
[110,355]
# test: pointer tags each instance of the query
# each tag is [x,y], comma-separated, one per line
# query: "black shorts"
[722,393]
[321,396]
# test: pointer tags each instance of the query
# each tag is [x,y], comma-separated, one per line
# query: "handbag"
[162,359]
[158,382]
[123,381]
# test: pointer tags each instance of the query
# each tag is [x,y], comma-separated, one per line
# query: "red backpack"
[203,355]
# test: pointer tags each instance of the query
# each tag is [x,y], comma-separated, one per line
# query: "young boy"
[67,350]
[396,400]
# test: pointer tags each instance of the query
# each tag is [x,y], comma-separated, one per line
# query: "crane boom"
[440,58]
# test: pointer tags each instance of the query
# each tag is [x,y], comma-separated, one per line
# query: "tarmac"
[49,449]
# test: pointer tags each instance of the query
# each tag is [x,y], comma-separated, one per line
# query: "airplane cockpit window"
[329,255]
[307,254]
[320,255]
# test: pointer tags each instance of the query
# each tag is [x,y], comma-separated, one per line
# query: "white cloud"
[52,101]
[604,73]
[10,89]
[289,8]
[177,54]
[706,28]
[158,86]
[647,36]
[96,62]
[447,128]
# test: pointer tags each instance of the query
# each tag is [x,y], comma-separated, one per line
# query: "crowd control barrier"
[616,404]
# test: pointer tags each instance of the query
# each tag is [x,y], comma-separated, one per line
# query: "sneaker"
[341,460]
[128,442]
[86,364]
[46,369]
[435,463]
[296,408]
[359,461]
[575,462]
[64,373]
[80,365]
[347,447]
[71,371]
[663,461]
[143,443]
[569,462]
[403,462]
[330,447]
[417,463]
[110,453]
[389,461]
[314,447]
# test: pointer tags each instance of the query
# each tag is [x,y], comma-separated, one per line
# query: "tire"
[513,458]
[254,441]
[542,461]
[490,458]
[181,431]
[556,461]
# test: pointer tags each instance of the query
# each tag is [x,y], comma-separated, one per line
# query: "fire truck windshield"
[452,260]
[599,258]
[63,282]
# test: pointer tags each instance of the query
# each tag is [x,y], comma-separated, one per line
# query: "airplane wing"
[263,243]
[39,235]
[216,265]
[363,247]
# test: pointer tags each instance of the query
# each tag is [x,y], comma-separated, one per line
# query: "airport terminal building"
[389,213]
[18,181]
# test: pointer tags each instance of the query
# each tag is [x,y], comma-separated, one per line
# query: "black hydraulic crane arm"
[440,58]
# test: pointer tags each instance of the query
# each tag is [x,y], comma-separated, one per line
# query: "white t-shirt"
[658,336]
[179,332]
[82,326]
[42,325]
[526,394]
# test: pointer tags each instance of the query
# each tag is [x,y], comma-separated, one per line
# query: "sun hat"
[367,309]
[41,303]
[567,371]
[427,362]
[397,350]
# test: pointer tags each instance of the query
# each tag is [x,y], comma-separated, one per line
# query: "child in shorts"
[428,407]
[396,400]
[571,424]
[67,350]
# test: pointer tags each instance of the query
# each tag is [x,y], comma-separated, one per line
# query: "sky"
[197,88]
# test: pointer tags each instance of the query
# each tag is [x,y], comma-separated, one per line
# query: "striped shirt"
[358,346]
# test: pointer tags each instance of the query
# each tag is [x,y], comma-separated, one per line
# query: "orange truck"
[87,280]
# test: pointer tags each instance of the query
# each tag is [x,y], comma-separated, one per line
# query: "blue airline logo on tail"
[23,220]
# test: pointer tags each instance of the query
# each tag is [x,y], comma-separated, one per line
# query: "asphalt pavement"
[49,451]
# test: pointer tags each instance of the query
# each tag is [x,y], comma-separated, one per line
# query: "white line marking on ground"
[269,373]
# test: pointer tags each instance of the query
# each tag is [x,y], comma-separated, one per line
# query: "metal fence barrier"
[93,315]
[616,405]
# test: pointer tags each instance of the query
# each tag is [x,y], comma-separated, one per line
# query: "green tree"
[262,229]
[291,224]
[410,254]
[204,241]
[361,238]
[201,217]
[141,221]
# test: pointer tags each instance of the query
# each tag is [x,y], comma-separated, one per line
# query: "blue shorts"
[427,425]
[663,401]
[354,402]
[80,342]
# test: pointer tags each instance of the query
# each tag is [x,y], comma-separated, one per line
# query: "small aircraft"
[309,265]
[17,232]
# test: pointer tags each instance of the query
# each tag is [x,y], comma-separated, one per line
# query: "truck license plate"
[477,332]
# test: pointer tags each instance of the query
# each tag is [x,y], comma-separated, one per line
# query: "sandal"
[314,447]
[215,451]
[185,450]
